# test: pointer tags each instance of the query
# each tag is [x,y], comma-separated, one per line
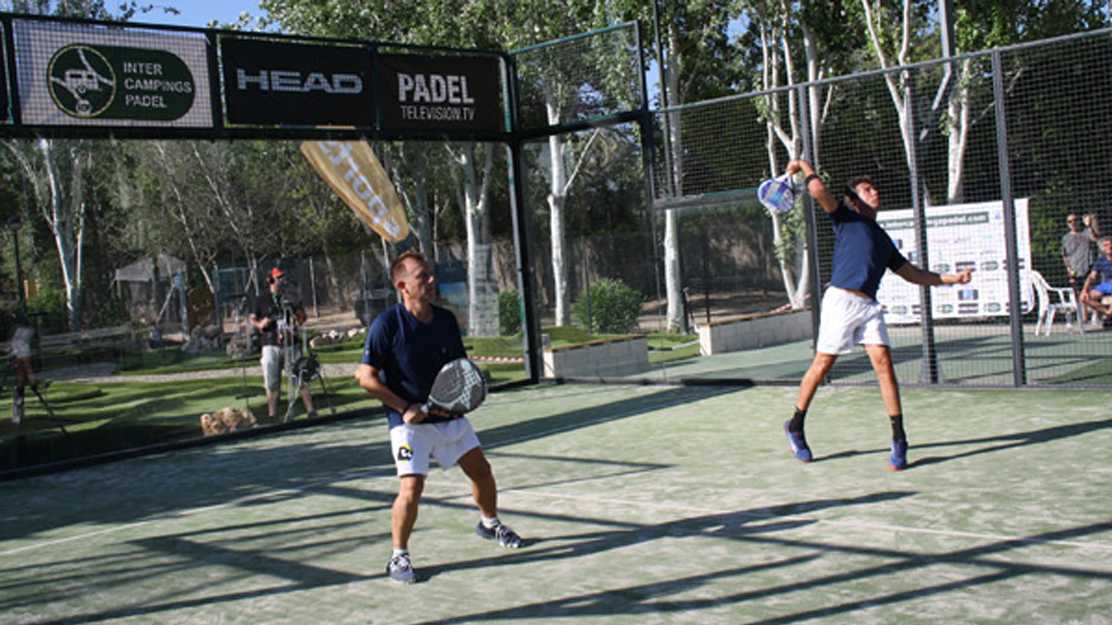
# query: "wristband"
[808,179]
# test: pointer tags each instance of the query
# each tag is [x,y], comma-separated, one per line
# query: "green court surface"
[640,505]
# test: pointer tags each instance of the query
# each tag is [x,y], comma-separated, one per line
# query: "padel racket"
[458,389]
[777,194]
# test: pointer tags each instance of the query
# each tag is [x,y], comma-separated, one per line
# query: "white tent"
[143,287]
[142,270]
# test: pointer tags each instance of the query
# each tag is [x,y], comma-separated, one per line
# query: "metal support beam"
[1015,309]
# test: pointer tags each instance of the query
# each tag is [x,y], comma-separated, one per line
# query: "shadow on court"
[131,491]
[992,443]
[652,598]
[178,554]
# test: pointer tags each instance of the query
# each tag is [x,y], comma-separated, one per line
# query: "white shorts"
[272,360]
[848,319]
[413,445]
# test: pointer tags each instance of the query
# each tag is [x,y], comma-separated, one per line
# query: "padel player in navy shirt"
[405,348]
[850,313]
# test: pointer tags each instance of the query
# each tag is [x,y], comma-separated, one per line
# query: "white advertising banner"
[959,236]
[79,74]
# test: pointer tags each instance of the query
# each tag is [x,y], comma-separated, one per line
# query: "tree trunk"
[481,288]
[673,280]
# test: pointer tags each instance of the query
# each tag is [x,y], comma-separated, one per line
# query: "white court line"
[851,524]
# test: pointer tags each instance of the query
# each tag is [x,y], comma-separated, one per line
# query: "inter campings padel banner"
[354,173]
[78,74]
[453,93]
[270,82]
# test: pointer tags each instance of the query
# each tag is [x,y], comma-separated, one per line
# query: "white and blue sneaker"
[897,460]
[400,569]
[502,533]
[798,443]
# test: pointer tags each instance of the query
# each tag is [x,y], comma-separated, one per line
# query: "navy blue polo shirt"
[862,251]
[410,353]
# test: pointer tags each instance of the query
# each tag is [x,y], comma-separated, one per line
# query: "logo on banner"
[295,83]
[435,96]
[441,92]
[110,82]
[82,82]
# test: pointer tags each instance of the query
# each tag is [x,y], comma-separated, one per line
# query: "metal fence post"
[1015,312]
[928,371]
[809,218]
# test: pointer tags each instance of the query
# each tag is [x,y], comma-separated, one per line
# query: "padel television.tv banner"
[281,83]
[451,93]
[74,74]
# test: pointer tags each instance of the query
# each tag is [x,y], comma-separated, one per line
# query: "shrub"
[509,313]
[608,307]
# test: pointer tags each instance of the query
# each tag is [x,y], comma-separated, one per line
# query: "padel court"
[639,504]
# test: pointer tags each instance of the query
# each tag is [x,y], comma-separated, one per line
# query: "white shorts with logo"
[849,319]
[414,444]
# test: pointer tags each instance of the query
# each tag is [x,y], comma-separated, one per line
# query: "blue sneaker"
[400,569]
[798,443]
[502,533]
[897,461]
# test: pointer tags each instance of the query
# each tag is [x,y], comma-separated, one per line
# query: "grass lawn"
[663,347]
[91,419]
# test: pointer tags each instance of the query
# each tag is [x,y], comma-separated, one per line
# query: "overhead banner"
[959,236]
[76,74]
[453,93]
[280,83]
[354,173]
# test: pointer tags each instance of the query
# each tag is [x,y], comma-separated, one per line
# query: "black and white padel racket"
[458,389]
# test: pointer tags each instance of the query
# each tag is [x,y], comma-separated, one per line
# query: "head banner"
[295,84]
[75,74]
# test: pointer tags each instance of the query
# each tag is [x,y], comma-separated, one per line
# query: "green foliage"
[608,306]
[49,304]
[509,313]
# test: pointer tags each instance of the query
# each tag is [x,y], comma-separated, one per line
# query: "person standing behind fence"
[269,309]
[1077,246]
[850,313]
[19,358]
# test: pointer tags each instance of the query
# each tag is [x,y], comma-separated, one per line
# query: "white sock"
[490,523]
[399,552]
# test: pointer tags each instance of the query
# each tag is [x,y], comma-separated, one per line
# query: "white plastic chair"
[1065,300]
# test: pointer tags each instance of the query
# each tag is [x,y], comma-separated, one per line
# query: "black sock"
[796,423]
[898,433]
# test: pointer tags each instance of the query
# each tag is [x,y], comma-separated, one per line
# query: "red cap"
[277,273]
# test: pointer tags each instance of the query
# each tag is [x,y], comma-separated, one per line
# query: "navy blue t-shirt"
[862,251]
[410,353]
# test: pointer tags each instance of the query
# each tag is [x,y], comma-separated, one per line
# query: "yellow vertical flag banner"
[354,173]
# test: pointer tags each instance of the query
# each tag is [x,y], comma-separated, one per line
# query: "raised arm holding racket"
[415,363]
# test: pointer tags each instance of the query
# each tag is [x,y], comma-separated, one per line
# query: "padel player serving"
[850,313]
[405,348]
